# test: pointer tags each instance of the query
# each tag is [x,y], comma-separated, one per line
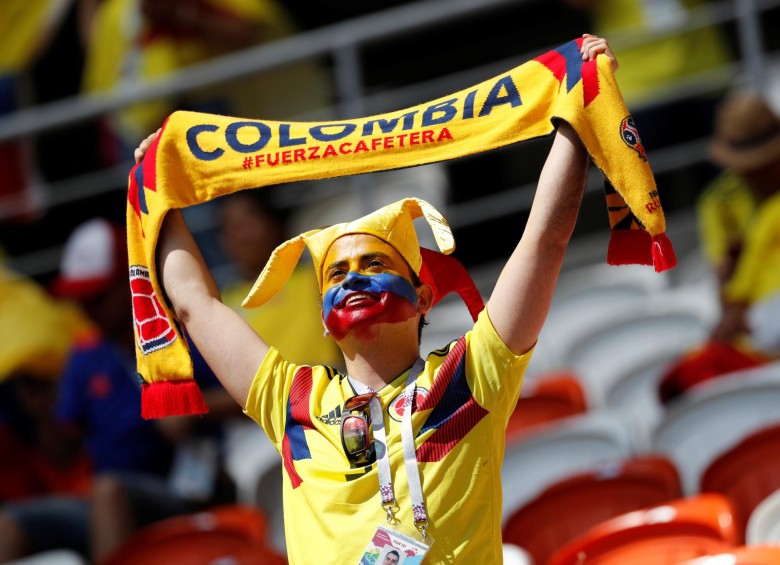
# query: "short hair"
[398,555]
[416,282]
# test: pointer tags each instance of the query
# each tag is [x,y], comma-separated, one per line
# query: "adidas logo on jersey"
[332,418]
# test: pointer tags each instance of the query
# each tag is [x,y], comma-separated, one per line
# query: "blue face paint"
[375,284]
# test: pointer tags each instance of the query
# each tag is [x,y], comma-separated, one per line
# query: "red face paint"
[361,317]
[365,284]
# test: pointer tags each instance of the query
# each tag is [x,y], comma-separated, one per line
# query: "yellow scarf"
[198,157]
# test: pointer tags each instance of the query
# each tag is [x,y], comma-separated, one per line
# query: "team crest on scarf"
[630,135]
[152,329]
[397,406]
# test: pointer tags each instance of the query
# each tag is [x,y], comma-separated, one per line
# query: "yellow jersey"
[463,399]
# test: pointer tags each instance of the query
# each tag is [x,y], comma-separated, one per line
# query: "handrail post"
[750,41]
[349,86]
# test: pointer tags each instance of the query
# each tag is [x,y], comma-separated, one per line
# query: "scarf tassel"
[637,247]
[172,398]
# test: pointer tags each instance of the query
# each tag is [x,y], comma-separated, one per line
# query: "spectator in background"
[658,54]
[139,474]
[135,41]
[250,229]
[43,467]
[739,222]
[740,211]
[36,334]
[27,29]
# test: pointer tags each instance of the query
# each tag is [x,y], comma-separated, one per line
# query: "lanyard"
[389,503]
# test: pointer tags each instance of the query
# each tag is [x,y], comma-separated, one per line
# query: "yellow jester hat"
[393,224]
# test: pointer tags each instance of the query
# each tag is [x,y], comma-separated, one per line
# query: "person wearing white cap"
[399,450]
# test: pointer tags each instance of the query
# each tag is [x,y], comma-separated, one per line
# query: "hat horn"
[277,271]
[439,226]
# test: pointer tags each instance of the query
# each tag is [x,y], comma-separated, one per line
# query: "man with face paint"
[338,434]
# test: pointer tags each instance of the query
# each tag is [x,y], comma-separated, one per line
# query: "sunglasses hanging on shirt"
[357,436]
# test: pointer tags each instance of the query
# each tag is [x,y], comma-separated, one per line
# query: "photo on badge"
[390,547]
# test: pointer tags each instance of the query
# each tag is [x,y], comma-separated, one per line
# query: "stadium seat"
[659,327]
[660,535]
[50,557]
[532,462]
[547,398]
[709,360]
[255,465]
[633,393]
[586,299]
[745,555]
[763,525]
[747,473]
[269,500]
[694,270]
[713,417]
[248,455]
[572,505]
[227,534]
[514,555]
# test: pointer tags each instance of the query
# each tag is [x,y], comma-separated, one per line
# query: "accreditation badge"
[392,547]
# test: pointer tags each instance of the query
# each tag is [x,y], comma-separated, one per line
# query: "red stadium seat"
[229,534]
[660,535]
[547,398]
[709,361]
[558,450]
[747,473]
[571,506]
[745,555]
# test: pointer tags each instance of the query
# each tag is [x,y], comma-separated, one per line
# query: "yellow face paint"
[361,253]
[392,224]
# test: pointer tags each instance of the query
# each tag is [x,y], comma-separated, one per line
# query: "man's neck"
[378,362]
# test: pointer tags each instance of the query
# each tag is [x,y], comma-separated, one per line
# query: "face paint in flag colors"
[364,286]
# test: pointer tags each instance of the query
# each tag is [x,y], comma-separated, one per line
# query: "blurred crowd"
[80,468]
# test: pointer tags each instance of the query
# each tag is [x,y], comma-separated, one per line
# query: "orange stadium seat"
[571,506]
[548,397]
[560,449]
[747,473]
[714,417]
[745,555]
[227,534]
[660,535]
[708,361]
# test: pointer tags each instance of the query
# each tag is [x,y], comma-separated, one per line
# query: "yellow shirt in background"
[24,27]
[292,321]
[124,52]
[648,70]
[757,275]
[725,211]
[729,213]
[37,331]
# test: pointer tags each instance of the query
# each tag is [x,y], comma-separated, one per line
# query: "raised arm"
[522,296]
[228,344]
